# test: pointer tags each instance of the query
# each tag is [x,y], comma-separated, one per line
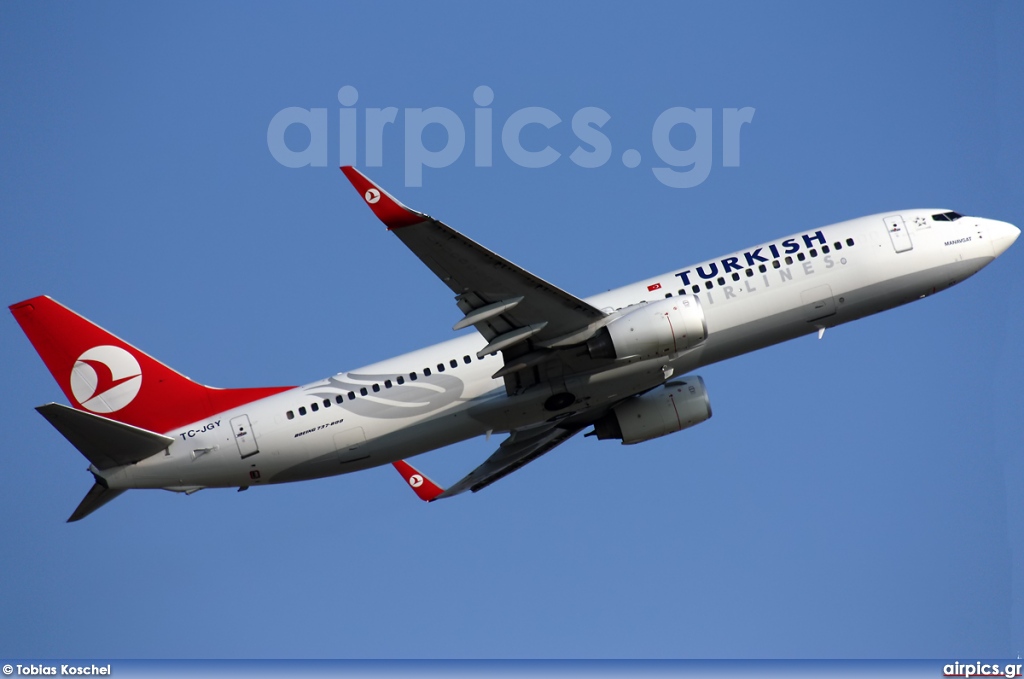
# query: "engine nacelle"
[672,407]
[660,329]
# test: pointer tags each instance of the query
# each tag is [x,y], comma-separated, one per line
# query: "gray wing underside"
[479,278]
[536,325]
[518,450]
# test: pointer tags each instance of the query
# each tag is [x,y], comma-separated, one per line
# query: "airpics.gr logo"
[105,379]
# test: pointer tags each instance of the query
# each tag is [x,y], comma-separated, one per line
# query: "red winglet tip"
[388,210]
[424,488]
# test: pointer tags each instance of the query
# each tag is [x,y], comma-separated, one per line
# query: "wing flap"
[486,312]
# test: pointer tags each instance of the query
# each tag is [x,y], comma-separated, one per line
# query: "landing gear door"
[898,233]
[244,437]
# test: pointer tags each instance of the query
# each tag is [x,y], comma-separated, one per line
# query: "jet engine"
[660,329]
[674,406]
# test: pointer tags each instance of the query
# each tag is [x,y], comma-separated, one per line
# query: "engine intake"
[660,329]
[675,406]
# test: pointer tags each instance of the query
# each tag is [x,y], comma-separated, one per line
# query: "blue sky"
[853,497]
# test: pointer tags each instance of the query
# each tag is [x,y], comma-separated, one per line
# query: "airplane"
[541,366]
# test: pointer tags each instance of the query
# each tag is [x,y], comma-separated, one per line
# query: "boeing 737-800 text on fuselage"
[542,365]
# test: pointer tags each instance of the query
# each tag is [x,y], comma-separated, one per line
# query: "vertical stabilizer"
[104,375]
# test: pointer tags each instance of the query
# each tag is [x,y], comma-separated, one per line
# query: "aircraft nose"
[1003,236]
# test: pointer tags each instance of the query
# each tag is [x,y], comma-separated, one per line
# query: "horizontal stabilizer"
[93,500]
[106,443]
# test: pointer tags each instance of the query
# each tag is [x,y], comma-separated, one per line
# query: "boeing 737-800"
[541,366]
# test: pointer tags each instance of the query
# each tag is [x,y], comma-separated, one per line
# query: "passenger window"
[762,268]
[290,415]
[667,295]
[327,403]
[453,363]
[801,256]
[387,384]
[302,410]
[837,245]
[735,276]
[721,280]
[467,360]
[824,249]
[849,241]
[351,395]
[376,388]
[776,264]
[682,291]
[750,273]
[814,253]
[339,398]
[789,260]
[696,289]
[709,285]
[440,367]
[314,407]
[426,372]
[363,391]
[400,379]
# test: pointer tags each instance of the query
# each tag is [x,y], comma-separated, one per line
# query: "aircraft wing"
[507,304]
[515,452]
[519,449]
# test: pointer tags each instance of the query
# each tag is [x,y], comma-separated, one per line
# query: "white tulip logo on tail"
[415,480]
[372,196]
[105,379]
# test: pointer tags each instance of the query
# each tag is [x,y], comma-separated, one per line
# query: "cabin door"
[244,437]
[898,233]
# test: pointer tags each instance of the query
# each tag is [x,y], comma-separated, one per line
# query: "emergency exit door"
[244,437]
[898,233]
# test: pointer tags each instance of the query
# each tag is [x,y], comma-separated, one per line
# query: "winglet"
[388,210]
[426,489]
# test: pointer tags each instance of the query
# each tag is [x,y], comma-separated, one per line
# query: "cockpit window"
[946,217]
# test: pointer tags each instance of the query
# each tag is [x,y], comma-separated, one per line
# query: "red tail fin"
[103,374]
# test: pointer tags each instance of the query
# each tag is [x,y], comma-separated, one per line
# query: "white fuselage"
[443,394]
